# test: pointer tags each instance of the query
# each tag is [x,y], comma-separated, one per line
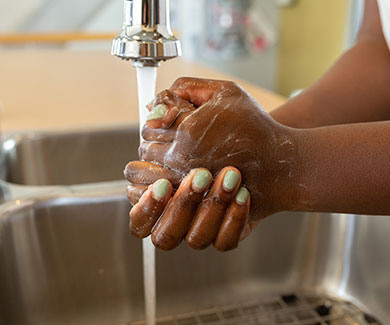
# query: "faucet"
[146,37]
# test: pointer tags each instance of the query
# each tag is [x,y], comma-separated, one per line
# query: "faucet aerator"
[146,37]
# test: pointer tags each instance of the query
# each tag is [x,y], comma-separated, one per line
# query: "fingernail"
[150,103]
[200,181]
[230,180]
[157,113]
[161,189]
[242,195]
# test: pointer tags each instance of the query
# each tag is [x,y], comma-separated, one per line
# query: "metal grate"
[290,309]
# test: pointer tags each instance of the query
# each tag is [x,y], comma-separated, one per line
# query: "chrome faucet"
[146,37]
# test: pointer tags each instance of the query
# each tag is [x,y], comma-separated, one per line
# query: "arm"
[344,168]
[356,89]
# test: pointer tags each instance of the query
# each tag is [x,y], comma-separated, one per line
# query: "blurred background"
[281,45]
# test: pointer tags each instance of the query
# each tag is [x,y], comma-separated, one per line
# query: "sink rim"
[12,191]
[27,133]
[20,196]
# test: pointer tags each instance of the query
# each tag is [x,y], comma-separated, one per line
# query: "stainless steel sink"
[69,259]
[66,256]
[66,158]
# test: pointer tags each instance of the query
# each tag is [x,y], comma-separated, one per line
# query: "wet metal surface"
[66,256]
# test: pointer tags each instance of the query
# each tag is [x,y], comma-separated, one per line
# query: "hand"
[216,124]
[220,218]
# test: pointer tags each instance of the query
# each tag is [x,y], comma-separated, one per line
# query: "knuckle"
[164,95]
[184,82]
[145,131]
[179,81]
[234,87]
[219,202]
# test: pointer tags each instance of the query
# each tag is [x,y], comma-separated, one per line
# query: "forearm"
[344,169]
[355,89]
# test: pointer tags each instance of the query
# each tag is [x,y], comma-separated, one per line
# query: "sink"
[67,158]
[68,258]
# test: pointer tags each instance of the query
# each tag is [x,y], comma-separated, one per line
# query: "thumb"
[195,90]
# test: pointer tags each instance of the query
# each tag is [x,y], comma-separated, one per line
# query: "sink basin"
[69,259]
[66,158]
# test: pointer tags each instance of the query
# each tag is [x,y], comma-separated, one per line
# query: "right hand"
[214,124]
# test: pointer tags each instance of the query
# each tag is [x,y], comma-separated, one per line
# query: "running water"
[146,77]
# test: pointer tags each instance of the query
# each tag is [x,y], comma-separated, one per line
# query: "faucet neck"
[146,37]
[150,14]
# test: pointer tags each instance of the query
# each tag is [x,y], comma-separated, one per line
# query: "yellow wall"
[313,34]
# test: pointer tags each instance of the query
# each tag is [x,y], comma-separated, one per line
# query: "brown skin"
[310,161]
[176,105]
[174,223]
[149,206]
[245,135]
[233,225]
[211,212]
[228,116]
[217,216]
[354,90]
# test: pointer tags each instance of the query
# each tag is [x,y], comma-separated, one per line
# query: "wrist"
[291,152]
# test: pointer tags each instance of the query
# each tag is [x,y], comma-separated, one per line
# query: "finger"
[159,135]
[165,108]
[234,222]
[143,172]
[211,211]
[153,151]
[173,225]
[163,135]
[195,90]
[145,213]
[134,193]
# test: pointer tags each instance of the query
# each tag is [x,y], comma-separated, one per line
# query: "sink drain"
[289,309]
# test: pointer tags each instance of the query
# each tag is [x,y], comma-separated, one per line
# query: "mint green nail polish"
[230,180]
[157,113]
[161,189]
[150,103]
[200,181]
[242,195]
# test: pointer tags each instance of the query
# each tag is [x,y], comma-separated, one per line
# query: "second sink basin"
[69,259]
[67,158]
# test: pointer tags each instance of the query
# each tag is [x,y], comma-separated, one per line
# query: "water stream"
[146,77]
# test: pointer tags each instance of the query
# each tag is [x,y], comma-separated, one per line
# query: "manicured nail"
[157,112]
[230,180]
[200,181]
[242,195]
[161,189]
[150,103]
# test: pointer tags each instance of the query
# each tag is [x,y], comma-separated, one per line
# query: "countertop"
[59,89]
